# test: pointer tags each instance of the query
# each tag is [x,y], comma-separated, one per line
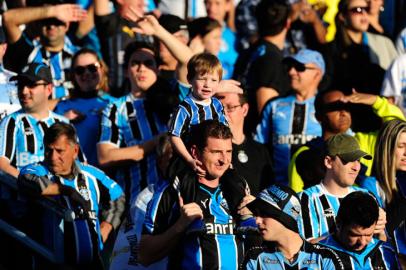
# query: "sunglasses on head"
[92,68]
[359,10]
[148,63]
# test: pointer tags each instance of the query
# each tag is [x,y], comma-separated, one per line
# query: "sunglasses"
[298,67]
[53,21]
[29,84]
[92,68]
[359,10]
[148,63]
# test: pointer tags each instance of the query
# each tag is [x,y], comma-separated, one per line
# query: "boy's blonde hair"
[203,63]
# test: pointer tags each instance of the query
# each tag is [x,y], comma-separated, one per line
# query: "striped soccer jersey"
[207,244]
[287,124]
[309,257]
[124,123]
[319,209]
[94,186]
[22,137]
[375,255]
[192,112]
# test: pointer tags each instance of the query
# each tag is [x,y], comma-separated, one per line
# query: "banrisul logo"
[217,228]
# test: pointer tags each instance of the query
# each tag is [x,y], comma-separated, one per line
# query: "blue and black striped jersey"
[207,244]
[319,209]
[192,112]
[126,122]
[22,137]
[375,255]
[309,257]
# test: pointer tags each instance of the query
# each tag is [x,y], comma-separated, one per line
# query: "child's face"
[205,85]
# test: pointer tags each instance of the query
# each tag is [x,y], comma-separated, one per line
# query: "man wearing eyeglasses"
[53,48]
[288,123]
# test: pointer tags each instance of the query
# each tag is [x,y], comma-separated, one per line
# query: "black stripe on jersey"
[214,113]
[43,126]
[376,256]
[330,218]
[152,122]
[307,223]
[293,267]
[299,118]
[135,129]
[210,253]
[201,113]
[10,138]
[143,173]
[340,260]
[29,136]
[114,128]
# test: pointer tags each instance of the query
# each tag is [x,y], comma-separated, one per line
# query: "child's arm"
[180,148]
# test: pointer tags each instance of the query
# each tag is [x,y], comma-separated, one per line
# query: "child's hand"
[196,165]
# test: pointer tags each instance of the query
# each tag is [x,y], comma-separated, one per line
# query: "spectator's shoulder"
[35,168]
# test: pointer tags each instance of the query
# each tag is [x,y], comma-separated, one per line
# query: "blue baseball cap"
[306,56]
[280,203]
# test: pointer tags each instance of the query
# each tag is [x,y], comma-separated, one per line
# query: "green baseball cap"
[346,147]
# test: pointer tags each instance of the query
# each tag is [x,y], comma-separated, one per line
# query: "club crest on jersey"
[270,261]
[85,193]
[28,131]
[224,204]
[329,212]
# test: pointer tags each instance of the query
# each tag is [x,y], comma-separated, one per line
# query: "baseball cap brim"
[263,209]
[353,156]
[27,77]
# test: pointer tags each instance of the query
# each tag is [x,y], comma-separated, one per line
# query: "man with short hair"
[250,158]
[320,203]
[289,122]
[53,48]
[354,239]
[277,211]
[191,220]
[22,131]
[85,189]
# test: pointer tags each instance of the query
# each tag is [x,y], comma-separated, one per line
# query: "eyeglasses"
[148,63]
[92,68]
[359,10]
[230,109]
[299,67]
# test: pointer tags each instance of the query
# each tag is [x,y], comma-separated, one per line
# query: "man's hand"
[308,14]
[68,12]
[74,116]
[196,165]
[380,225]
[359,98]
[75,197]
[242,209]
[229,86]
[105,229]
[146,25]
[188,213]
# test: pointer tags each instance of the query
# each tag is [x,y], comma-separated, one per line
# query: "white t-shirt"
[394,83]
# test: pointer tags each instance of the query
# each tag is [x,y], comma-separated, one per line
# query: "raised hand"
[188,213]
[69,13]
[359,98]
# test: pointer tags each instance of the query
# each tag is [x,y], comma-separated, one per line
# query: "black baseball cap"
[34,72]
[172,23]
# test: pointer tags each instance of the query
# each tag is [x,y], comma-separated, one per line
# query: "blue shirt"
[124,123]
[9,102]
[228,54]
[286,125]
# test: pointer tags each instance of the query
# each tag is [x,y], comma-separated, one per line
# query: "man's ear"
[194,152]
[245,107]
[49,89]
[328,162]
[76,150]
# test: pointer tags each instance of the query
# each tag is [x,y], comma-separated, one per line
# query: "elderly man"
[195,217]
[84,189]
[289,122]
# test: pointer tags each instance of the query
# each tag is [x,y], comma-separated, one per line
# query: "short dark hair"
[206,129]
[319,104]
[272,16]
[358,208]
[59,129]
[202,26]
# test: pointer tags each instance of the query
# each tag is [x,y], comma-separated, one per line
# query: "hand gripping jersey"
[126,122]
[286,124]
[21,137]
[191,112]
[207,244]
[319,209]
[375,255]
[309,257]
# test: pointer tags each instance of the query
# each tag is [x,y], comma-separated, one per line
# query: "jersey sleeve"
[8,134]
[159,215]
[33,179]
[263,130]
[179,121]
[295,180]
[110,132]
[387,111]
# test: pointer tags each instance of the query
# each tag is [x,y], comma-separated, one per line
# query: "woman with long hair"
[87,99]
[389,183]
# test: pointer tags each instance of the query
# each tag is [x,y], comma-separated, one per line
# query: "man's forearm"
[7,168]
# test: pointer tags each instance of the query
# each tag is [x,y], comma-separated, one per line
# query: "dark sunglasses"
[29,84]
[92,68]
[148,63]
[336,106]
[52,21]
[298,66]
[359,10]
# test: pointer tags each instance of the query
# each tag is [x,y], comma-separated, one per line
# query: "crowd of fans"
[205,134]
